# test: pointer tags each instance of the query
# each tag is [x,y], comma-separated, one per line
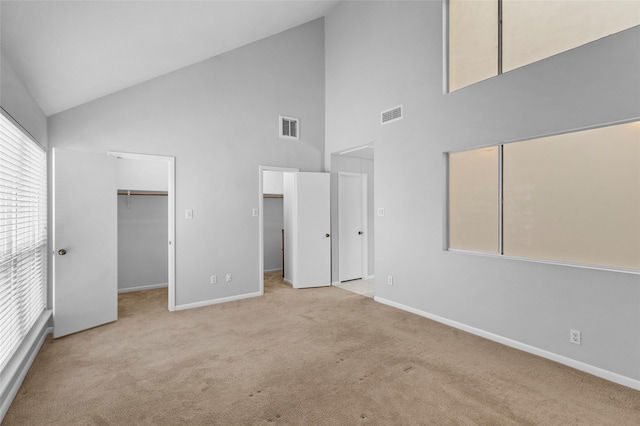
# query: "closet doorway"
[146,223]
[142,235]
[306,222]
[276,222]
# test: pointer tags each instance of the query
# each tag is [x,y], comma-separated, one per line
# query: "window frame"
[446,222]
[499,25]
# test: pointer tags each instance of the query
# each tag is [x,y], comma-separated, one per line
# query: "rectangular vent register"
[289,127]
[392,114]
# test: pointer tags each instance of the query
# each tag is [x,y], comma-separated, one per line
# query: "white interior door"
[350,226]
[85,259]
[312,227]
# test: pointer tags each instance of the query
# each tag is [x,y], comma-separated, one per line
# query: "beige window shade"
[534,30]
[473,42]
[575,197]
[531,30]
[473,200]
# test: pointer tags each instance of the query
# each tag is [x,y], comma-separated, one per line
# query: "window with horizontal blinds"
[23,236]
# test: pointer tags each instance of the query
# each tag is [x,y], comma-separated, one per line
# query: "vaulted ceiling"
[71,52]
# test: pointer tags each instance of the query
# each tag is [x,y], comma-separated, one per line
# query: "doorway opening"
[146,223]
[276,222]
[306,224]
[142,238]
[353,189]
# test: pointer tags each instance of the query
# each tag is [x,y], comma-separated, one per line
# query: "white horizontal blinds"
[474,212]
[473,41]
[534,30]
[23,236]
[575,197]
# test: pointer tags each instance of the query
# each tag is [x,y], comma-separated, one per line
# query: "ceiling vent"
[392,114]
[289,127]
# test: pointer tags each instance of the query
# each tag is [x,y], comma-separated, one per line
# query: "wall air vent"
[392,114]
[289,127]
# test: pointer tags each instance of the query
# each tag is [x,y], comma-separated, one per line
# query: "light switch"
[254,212]
[380,211]
[188,214]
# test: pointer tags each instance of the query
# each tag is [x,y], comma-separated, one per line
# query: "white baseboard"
[578,365]
[273,270]
[369,277]
[143,287]
[288,281]
[335,283]
[16,370]
[216,301]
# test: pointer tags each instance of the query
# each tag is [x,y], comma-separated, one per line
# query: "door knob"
[62,252]
[326,235]
[360,232]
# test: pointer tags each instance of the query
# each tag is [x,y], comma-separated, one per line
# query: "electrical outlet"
[229,277]
[214,279]
[575,336]
[390,280]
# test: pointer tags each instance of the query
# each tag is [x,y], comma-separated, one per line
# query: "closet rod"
[274,196]
[143,194]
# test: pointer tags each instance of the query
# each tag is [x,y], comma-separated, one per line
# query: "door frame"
[261,169]
[365,223]
[171,206]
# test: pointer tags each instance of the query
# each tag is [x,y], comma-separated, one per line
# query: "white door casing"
[312,227]
[85,248]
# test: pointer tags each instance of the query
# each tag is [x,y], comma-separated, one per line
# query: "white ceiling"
[71,52]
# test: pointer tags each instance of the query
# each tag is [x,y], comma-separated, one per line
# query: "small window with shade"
[289,127]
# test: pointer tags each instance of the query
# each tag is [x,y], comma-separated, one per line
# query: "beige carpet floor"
[301,357]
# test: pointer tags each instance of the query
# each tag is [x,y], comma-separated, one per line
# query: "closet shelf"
[143,193]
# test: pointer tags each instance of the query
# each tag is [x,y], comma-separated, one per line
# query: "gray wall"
[382,54]
[273,217]
[219,118]
[18,102]
[142,241]
[342,163]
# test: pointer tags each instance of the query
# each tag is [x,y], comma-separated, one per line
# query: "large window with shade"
[571,198]
[489,37]
[23,237]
